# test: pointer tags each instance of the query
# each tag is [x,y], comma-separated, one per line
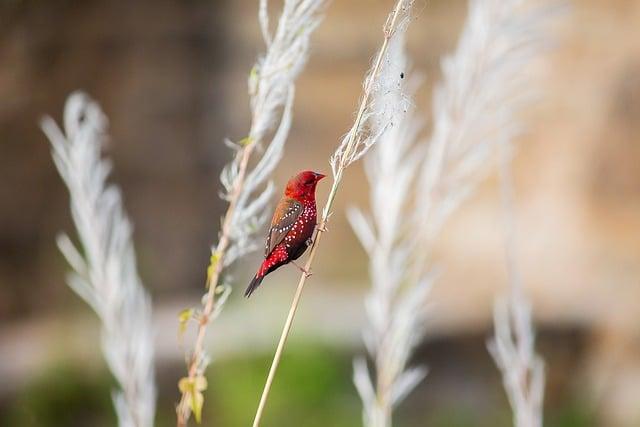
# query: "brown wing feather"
[286,214]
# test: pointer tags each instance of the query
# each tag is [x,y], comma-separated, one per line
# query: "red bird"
[292,226]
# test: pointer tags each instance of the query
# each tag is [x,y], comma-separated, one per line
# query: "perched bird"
[292,226]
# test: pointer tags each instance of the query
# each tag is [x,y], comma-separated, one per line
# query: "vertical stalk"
[213,277]
[389,29]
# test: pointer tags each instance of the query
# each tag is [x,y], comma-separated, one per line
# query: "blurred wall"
[155,67]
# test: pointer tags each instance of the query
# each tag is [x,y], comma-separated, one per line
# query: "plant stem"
[389,28]
[183,410]
[383,404]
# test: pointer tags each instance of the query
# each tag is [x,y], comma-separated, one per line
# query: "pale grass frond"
[285,58]
[364,386]
[513,344]
[382,96]
[486,83]
[512,348]
[249,214]
[105,273]
[405,383]
[263,17]
[394,306]
[71,254]
[500,45]
[246,179]
[363,228]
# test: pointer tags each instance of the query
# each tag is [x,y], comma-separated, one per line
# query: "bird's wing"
[286,214]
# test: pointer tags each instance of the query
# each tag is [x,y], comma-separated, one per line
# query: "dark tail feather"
[253,286]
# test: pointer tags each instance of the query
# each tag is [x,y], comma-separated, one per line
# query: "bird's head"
[303,185]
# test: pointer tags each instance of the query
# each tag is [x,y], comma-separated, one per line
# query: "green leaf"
[253,74]
[213,264]
[245,141]
[185,385]
[192,390]
[183,317]
[254,79]
[200,383]
[196,402]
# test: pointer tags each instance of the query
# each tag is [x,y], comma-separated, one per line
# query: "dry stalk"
[247,190]
[351,149]
[213,277]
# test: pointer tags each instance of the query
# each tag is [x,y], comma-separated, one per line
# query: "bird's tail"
[253,285]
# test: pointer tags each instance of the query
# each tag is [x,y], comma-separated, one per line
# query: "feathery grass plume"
[513,345]
[247,188]
[372,121]
[485,85]
[104,268]
[394,306]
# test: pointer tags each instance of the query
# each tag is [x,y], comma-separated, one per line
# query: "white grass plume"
[375,117]
[104,268]
[485,85]
[487,82]
[513,345]
[513,350]
[380,103]
[246,180]
[271,91]
[394,308]
[395,305]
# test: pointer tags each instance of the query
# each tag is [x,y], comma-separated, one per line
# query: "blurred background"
[171,77]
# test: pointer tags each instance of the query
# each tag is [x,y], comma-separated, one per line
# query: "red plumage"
[292,226]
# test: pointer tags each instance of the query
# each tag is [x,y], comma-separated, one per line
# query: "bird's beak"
[319,176]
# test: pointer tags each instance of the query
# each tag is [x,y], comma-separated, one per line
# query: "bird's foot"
[306,272]
[309,241]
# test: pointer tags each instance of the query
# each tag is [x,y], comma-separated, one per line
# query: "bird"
[292,226]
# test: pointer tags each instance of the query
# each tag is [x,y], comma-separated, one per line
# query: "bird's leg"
[309,242]
[306,272]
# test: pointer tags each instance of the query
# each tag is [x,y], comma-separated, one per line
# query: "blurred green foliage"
[63,395]
[572,414]
[313,388]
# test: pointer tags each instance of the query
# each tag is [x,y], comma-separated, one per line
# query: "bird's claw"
[309,241]
[304,271]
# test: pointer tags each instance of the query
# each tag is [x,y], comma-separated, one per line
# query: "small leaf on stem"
[213,264]
[183,317]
